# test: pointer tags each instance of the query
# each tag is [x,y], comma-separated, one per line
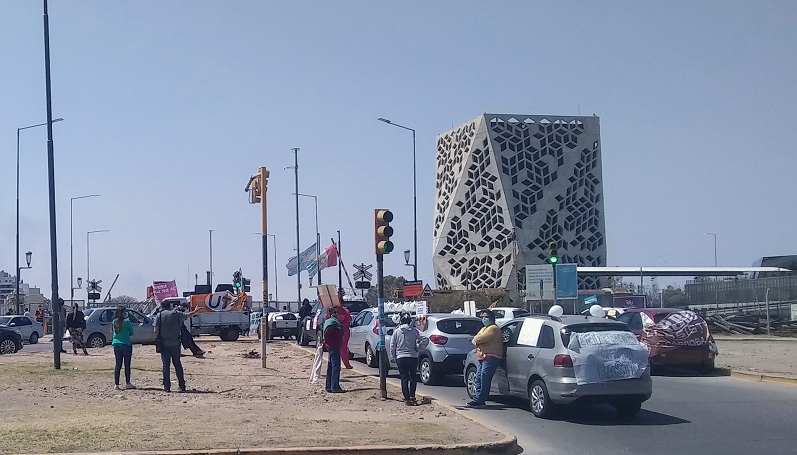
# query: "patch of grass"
[27,372]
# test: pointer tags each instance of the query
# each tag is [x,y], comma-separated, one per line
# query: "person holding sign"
[489,350]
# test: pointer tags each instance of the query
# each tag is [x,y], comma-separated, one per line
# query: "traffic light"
[246,284]
[236,279]
[383,231]
[553,255]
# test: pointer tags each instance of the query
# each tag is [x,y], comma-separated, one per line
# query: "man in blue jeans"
[490,351]
[168,327]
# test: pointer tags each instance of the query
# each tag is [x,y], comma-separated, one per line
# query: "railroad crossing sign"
[362,272]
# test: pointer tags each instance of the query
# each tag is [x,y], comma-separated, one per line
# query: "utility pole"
[382,245]
[340,273]
[210,275]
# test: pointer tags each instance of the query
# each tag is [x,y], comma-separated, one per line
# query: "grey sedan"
[100,321]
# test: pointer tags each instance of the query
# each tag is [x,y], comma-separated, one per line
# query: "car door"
[355,338]
[521,353]
[143,332]
[634,321]
[363,331]
[24,326]
[104,323]
[500,384]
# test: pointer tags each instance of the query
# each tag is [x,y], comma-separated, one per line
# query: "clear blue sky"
[170,106]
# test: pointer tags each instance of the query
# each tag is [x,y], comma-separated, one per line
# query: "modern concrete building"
[507,185]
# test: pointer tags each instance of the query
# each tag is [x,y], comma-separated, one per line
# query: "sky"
[169,107]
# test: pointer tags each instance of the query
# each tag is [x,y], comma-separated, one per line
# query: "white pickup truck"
[227,325]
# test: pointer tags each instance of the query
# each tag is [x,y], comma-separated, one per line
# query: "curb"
[507,445]
[378,450]
[759,377]
[759,340]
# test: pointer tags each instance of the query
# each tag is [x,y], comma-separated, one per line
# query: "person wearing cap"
[404,348]
[490,351]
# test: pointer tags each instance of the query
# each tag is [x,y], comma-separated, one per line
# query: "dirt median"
[759,356]
[232,403]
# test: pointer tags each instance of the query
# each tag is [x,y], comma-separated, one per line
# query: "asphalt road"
[687,414]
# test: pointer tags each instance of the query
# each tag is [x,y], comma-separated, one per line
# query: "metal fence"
[781,289]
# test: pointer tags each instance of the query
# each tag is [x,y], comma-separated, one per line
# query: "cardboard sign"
[328,295]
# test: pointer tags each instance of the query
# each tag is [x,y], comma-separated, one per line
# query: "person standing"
[489,350]
[344,317]
[122,346]
[305,310]
[76,324]
[185,335]
[333,340]
[62,325]
[168,334]
[404,348]
[27,312]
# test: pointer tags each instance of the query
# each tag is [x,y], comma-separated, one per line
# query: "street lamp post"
[16,286]
[407,262]
[28,256]
[317,235]
[276,286]
[88,257]
[716,278]
[414,195]
[71,264]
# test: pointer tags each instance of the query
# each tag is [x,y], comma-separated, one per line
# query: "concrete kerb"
[759,377]
[759,339]
[507,445]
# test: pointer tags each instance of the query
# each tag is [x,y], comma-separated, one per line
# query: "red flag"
[332,255]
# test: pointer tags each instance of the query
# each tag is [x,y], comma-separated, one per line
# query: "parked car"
[446,344]
[611,312]
[676,337]
[282,324]
[365,336]
[538,365]
[99,323]
[505,314]
[310,326]
[10,340]
[30,328]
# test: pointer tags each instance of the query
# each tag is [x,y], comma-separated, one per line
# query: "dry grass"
[234,404]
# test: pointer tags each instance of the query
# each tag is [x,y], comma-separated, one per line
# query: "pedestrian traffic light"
[553,255]
[236,279]
[246,284]
[383,231]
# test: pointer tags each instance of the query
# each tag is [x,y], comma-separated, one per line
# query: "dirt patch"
[760,356]
[232,403]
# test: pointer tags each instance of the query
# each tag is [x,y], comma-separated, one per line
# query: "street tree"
[124,300]
[391,282]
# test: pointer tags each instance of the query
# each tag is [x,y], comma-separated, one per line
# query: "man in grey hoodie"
[404,348]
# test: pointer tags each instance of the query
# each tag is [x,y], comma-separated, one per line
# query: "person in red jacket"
[344,317]
[333,340]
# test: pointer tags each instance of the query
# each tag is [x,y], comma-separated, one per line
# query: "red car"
[674,336]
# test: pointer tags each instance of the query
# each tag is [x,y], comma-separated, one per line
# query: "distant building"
[31,297]
[6,285]
[506,185]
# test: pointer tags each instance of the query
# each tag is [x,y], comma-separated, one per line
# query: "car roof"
[441,316]
[568,320]
[505,308]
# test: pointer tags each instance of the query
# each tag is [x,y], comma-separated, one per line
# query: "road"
[687,414]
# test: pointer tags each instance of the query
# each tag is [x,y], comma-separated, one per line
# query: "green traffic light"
[553,259]
[237,285]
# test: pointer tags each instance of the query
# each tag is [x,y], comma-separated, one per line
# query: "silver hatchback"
[99,322]
[446,342]
[365,336]
[538,364]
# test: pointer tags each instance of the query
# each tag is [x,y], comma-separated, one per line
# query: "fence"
[781,289]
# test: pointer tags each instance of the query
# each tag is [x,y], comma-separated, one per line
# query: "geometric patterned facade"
[506,185]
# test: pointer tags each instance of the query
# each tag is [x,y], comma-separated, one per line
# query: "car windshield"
[459,326]
[592,327]
[5,320]
[88,312]
[660,317]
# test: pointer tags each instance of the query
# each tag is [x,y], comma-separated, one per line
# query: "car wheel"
[229,334]
[370,357]
[628,408]
[8,346]
[303,339]
[95,341]
[707,367]
[539,400]
[470,382]
[428,375]
[34,338]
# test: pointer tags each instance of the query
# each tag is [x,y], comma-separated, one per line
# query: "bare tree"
[124,300]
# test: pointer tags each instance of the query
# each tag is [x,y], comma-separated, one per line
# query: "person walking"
[333,340]
[76,324]
[122,346]
[344,317]
[489,350]
[404,348]
[167,337]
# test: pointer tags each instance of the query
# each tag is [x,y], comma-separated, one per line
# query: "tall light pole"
[71,264]
[295,168]
[88,251]
[16,286]
[317,236]
[715,246]
[407,262]
[716,279]
[414,195]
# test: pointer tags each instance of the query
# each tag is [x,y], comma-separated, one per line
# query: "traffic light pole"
[264,231]
[380,286]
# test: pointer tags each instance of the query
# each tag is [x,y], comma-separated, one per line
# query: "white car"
[505,314]
[30,329]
